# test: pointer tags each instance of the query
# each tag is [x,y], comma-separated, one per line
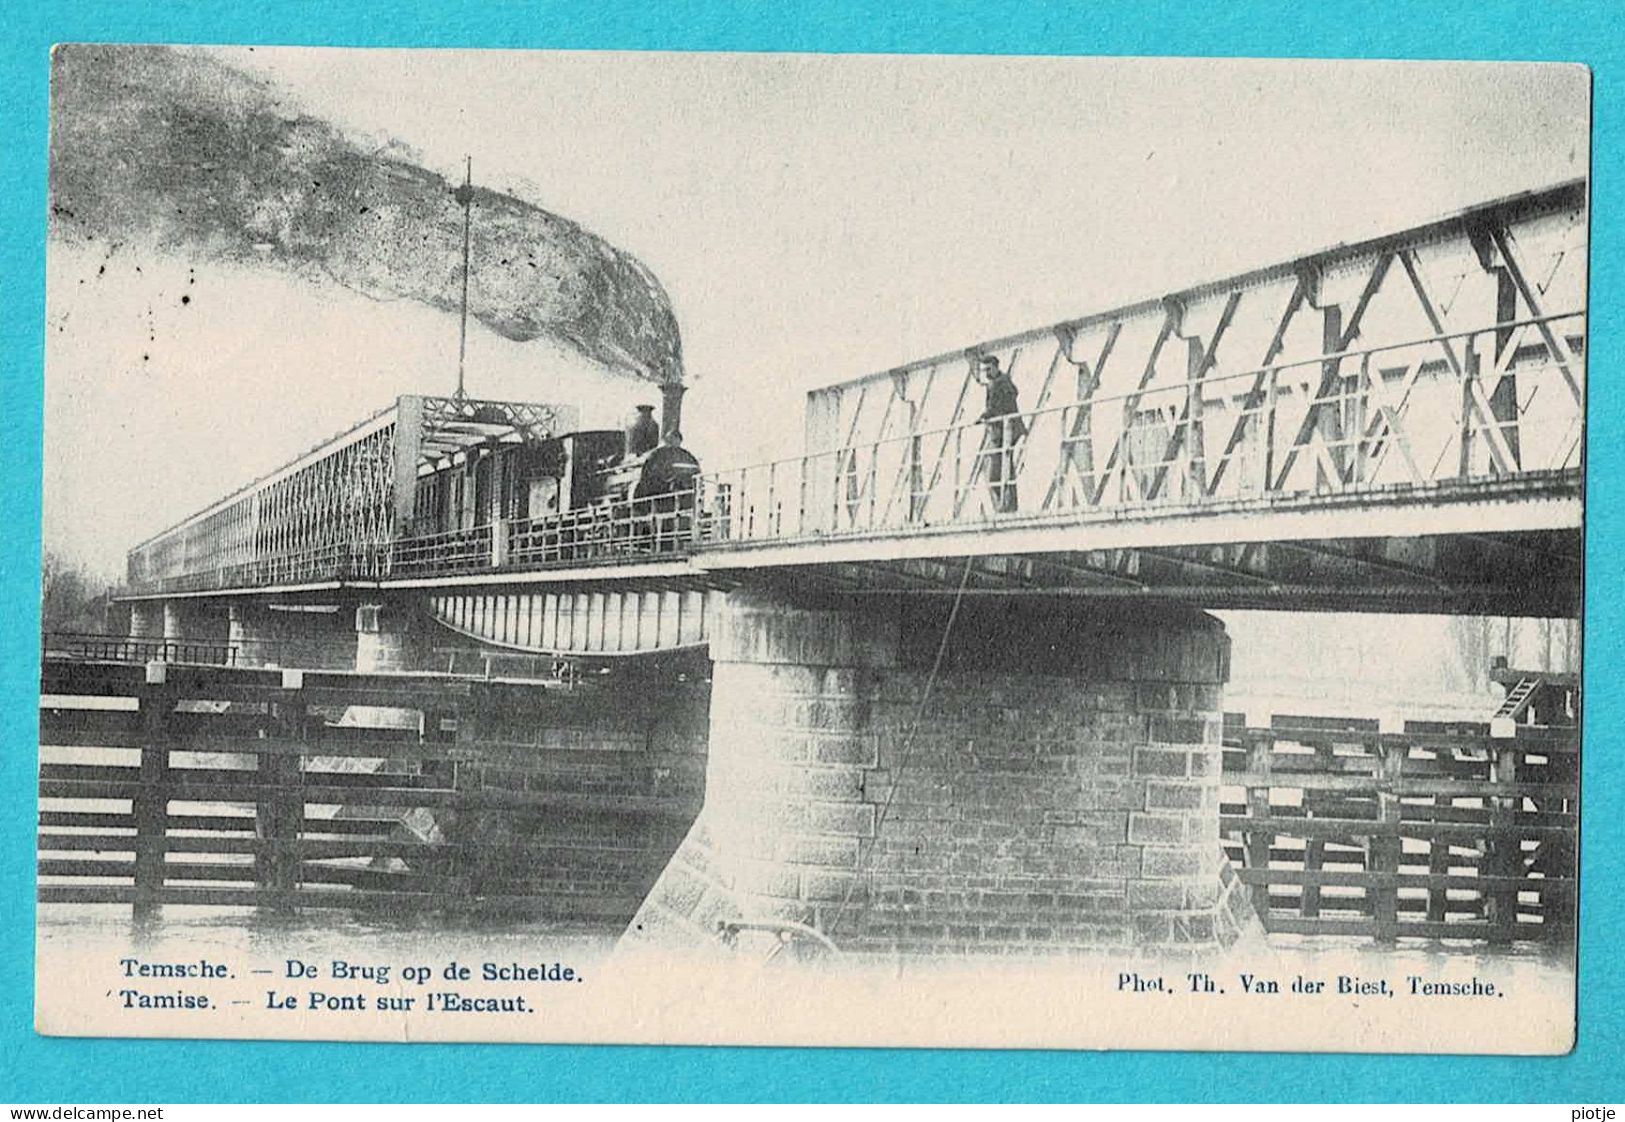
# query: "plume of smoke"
[176,149]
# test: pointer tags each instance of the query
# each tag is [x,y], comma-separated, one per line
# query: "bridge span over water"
[1394,425]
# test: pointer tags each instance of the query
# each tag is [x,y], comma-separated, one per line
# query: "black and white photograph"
[790,549]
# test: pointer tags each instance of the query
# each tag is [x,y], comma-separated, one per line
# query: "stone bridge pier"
[146,619]
[1052,787]
[192,621]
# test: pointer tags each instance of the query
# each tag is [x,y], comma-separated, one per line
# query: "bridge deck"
[1426,502]
[1408,412]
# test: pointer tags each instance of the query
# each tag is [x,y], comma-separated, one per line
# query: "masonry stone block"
[1161,762]
[1162,795]
[1155,829]
[603,857]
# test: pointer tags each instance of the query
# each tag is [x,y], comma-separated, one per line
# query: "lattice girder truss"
[333,511]
[1450,350]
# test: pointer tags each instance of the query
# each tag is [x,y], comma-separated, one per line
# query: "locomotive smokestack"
[671,408]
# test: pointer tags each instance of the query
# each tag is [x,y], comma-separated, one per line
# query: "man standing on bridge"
[1004,431]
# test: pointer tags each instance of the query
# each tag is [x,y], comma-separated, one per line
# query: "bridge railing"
[1500,401]
[448,552]
[656,525]
[339,561]
[652,526]
[125,648]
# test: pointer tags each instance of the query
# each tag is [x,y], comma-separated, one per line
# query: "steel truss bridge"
[1395,425]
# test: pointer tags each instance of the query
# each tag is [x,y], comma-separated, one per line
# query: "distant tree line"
[72,599]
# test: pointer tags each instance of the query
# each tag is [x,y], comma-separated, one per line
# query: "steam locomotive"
[572,495]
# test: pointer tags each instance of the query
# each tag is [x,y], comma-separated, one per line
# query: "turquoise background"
[40,1070]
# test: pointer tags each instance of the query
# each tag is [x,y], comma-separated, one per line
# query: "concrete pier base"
[308,636]
[1053,787]
[174,628]
[247,637]
[146,619]
[183,621]
[383,639]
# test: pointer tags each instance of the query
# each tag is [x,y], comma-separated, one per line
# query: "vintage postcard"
[827,550]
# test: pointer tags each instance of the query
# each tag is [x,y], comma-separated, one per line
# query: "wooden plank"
[686,806]
[1287,925]
[371,878]
[88,819]
[1447,768]
[1284,767]
[100,843]
[125,777]
[1541,822]
[1323,878]
[1314,857]
[410,693]
[1405,929]
[1422,785]
[1258,807]
[1532,738]
[365,749]
[1385,848]
[1290,826]
[82,867]
[222,823]
[344,825]
[1283,722]
[280,810]
[1505,846]
[1286,857]
[225,780]
[329,848]
[1438,866]
[210,871]
[149,803]
[90,728]
[125,679]
[583,905]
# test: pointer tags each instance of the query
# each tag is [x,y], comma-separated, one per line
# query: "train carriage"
[435,484]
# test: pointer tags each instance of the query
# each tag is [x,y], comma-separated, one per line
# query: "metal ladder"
[1517,698]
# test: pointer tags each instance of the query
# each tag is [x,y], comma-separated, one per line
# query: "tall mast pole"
[464,195]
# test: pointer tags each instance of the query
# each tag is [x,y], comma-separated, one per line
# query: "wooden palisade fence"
[234,786]
[1437,830]
[245,791]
